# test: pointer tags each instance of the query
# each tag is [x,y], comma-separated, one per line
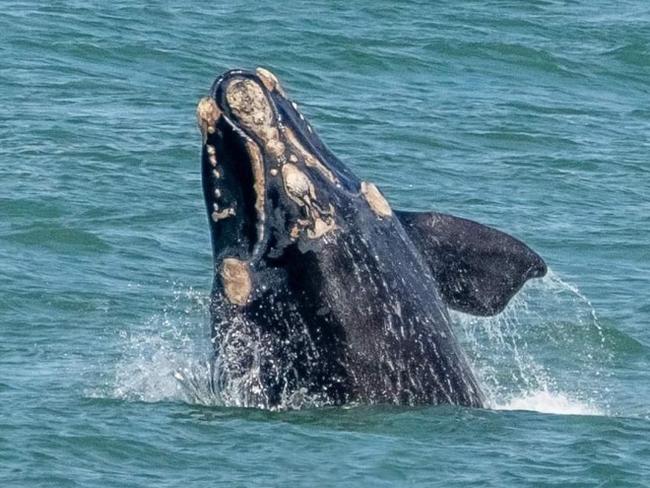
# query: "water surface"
[533,117]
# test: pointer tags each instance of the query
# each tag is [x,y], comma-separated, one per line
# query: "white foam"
[545,401]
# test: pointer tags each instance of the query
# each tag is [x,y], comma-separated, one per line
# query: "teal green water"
[533,117]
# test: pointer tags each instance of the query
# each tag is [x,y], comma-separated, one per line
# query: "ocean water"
[531,116]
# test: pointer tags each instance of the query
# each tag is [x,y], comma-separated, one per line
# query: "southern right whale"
[323,293]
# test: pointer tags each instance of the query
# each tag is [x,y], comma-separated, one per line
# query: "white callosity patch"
[310,160]
[270,80]
[375,199]
[298,185]
[301,190]
[212,155]
[220,214]
[249,104]
[207,114]
[236,279]
[259,187]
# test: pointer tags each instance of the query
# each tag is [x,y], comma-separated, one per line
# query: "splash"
[169,358]
[545,401]
[546,352]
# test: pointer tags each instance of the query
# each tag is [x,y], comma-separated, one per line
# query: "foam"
[545,401]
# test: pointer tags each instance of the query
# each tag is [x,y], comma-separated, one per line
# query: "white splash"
[545,352]
[545,401]
[169,357]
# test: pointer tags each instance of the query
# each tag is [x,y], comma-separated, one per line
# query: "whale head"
[270,184]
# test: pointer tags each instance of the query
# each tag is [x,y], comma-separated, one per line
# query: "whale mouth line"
[234,185]
[252,184]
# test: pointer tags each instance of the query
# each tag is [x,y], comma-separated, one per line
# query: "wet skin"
[322,293]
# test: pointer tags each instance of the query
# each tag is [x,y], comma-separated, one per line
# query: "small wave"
[545,401]
[60,238]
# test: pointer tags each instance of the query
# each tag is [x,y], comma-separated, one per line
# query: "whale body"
[323,293]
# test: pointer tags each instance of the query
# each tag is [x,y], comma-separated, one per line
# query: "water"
[530,116]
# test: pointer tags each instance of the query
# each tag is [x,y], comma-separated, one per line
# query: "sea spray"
[547,351]
[169,358]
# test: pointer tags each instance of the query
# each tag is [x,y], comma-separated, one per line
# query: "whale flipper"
[478,268]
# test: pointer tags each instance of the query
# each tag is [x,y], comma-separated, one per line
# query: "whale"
[324,293]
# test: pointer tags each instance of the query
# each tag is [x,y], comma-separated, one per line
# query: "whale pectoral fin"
[478,269]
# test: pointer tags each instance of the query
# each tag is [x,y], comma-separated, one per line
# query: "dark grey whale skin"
[358,315]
